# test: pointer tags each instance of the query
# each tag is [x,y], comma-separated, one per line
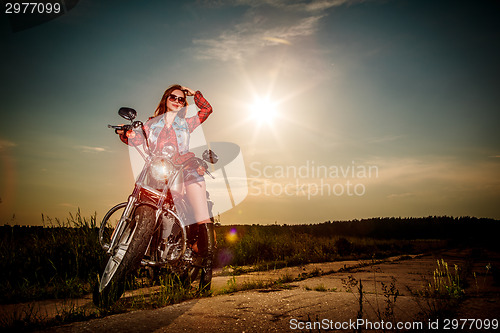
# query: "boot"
[192,234]
[206,249]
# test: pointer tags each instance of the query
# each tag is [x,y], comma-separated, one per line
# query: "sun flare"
[263,110]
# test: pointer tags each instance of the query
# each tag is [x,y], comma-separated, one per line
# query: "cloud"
[304,6]
[88,149]
[277,40]
[314,6]
[6,144]
[264,25]
[253,35]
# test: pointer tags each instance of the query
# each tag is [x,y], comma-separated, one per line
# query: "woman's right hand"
[119,131]
[129,134]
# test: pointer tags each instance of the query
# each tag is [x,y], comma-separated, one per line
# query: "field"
[63,259]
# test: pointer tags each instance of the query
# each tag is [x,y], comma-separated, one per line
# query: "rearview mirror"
[210,156]
[127,113]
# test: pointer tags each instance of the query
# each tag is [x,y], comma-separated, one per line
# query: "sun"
[263,110]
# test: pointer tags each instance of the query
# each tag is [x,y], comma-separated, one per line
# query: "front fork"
[122,224]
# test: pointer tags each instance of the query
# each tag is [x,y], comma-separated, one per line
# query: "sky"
[341,109]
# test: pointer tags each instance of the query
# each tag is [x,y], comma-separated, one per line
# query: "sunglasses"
[173,98]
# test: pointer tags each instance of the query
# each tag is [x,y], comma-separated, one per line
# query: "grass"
[446,283]
[267,249]
[169,290]
[63,258]
[57,261]
[443,293]
[480,282]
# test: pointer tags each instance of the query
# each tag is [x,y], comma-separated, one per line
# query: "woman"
[169,126]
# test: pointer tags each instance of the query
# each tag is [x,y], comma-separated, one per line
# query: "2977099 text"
[33,7]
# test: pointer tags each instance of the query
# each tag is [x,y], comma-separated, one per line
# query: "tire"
[130,251]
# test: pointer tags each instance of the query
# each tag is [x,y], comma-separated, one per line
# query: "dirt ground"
[320,303]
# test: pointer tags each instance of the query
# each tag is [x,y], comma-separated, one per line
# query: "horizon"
[67,223]
[404,89]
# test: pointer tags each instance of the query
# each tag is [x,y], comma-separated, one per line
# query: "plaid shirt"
[167,135]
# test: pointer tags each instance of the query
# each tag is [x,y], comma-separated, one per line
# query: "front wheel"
[129,252]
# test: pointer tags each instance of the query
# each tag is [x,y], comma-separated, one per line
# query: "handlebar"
[207,156]
[121,127]
[135,124]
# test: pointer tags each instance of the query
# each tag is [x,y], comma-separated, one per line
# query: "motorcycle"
[152,229]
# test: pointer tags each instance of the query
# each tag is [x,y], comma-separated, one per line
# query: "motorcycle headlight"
[161,169]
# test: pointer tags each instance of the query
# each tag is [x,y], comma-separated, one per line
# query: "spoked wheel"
[128,254]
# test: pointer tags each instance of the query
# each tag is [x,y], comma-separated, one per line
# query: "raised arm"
[205,110]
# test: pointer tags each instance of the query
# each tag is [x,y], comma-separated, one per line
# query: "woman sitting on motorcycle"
[169,126]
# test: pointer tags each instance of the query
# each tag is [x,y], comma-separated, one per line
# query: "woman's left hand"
[188,91]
